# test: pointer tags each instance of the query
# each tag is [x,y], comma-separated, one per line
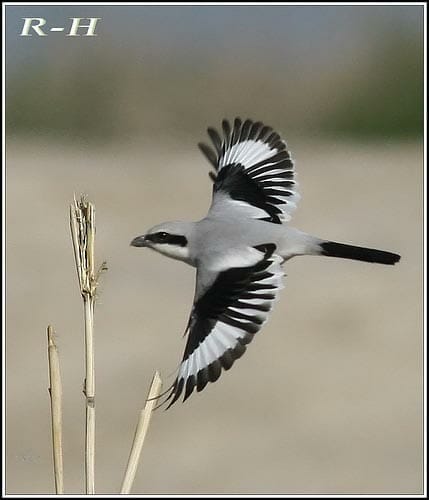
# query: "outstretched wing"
[254,171]
[225,317]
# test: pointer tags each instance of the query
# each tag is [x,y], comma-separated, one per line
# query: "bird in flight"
[238,249]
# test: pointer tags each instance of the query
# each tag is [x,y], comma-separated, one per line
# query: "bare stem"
[140,434]
[55,392]
[89,347]
[82,225]
[90,397]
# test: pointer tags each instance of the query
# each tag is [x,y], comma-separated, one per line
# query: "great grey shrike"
[238,249]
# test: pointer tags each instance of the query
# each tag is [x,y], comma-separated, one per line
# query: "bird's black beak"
[139,241]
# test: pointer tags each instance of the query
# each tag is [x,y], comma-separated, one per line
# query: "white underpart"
[173,251]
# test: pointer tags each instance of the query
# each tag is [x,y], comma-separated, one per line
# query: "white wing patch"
[247,153]
[254,169]
[225,319]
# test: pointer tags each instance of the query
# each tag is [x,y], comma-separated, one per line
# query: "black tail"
[332,249]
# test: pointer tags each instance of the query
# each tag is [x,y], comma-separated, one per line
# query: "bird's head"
[169,238]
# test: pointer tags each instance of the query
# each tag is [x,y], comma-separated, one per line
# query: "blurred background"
[328,398]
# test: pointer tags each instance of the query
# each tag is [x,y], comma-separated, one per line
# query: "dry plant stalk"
[55,393]
[140,434]
[82,225]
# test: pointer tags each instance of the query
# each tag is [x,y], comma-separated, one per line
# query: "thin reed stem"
[140,434]
[90,397]
[55,392]
[82,225]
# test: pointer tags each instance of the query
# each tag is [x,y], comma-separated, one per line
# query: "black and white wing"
[230,306]
[254,172]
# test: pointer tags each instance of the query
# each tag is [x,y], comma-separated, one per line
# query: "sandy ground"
[327,399]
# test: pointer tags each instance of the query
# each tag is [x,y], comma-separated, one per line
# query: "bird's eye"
[162,236]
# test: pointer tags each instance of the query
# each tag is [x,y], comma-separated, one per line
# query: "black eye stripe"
[172,239]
